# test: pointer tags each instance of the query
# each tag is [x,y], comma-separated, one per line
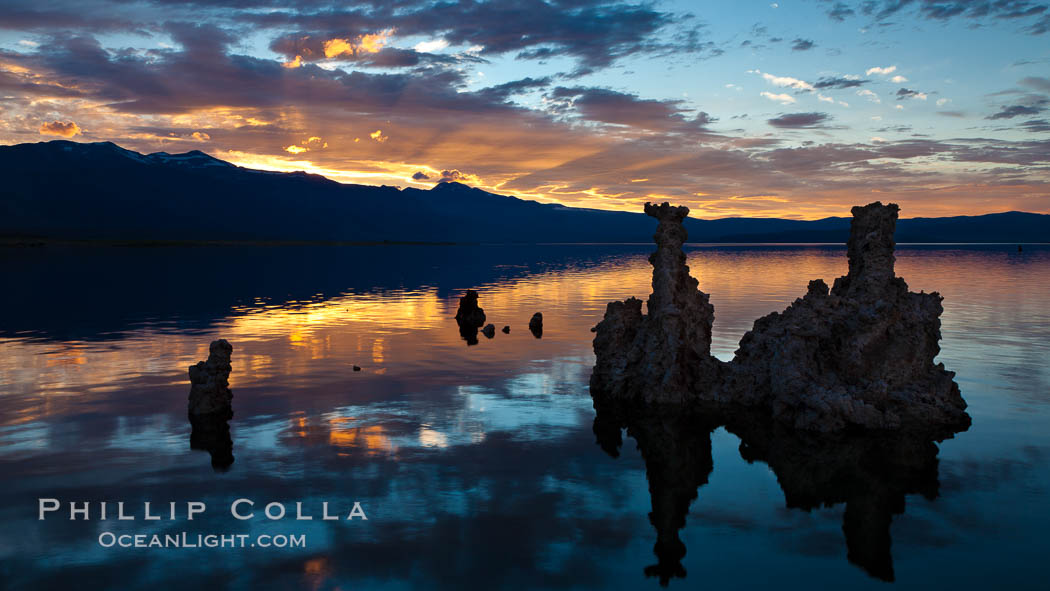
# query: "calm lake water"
[477,465]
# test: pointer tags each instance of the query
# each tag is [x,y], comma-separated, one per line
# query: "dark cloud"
[942,10]
[504,91]
[1009,112]
[840,11]
[420,176]
[904,93]
[618,108]
[594,32]
[955,114]
[1036,125]
[799,44]
[449,176]
[1037,83]
[839,82]
[800,120]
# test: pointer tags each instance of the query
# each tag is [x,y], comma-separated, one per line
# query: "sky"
[795,109]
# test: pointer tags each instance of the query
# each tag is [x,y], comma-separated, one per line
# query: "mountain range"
[62,190]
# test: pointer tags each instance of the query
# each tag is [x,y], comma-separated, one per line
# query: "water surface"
[477,465]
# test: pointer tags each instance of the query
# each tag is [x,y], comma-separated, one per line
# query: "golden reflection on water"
[410,335]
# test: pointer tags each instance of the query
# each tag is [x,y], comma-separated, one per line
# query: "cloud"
[871,96]
[1036,125]
[612,107]
[360,45]
[430,46]
[786,81]
[66,129]
[1009,112]
[595,33]
[978,11]
[800,120]
[420,176]
[294,149]
[502,92]
[378,136]
[1036,82]
[905,93]
[954,114]
[898,79]
[885,71]
[840,11]
[839,82]
[943,101]
[785,99]
[800,44]
[200,136]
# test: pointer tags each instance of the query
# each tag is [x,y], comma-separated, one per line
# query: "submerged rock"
[210,382]
[664,356]
[489,331]
[469,313]
[536,325]
[860,354]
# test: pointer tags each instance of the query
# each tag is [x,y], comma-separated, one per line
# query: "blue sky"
[796,109]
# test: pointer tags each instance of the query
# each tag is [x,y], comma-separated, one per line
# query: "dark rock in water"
[857,355]
[489,331]
[211,433]
[664,356]
[469,313]
[210,382]
[860,355]
[210,405]
[536,325]
[469,317]
[506,330]
[357,368]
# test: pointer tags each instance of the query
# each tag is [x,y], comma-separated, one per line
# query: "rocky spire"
[210,382]
[663,356]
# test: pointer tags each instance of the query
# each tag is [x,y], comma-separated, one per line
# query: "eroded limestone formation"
[663,356]
[536,325]
[859,355]
[470,317]
[210,382]
[469,313]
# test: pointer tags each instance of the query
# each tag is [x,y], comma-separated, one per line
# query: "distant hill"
[63,190]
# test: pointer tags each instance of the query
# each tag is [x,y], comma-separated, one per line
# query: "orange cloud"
[378,136]
[370,43]
[200,136]
[61,129]
[298,61]
[293,149]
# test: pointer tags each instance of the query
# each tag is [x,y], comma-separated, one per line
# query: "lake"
[478,466]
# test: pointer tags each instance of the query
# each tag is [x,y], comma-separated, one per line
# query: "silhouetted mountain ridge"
[65,190]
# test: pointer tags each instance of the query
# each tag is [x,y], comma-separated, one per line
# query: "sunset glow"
[608,105]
